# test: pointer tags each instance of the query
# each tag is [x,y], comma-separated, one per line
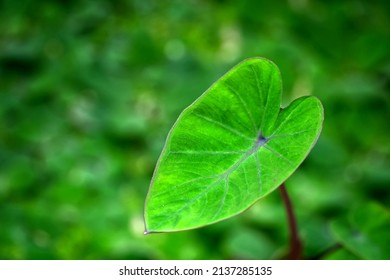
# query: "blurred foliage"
[89,90]
[366,232]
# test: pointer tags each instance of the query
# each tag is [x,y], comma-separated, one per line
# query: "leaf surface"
[231,147]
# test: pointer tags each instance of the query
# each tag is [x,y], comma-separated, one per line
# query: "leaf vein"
[223,126]
[207,152]
[278,154]
[258,173]
[248,112]
[286,119]
[273,136]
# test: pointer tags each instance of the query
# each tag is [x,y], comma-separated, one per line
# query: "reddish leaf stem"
[295,242]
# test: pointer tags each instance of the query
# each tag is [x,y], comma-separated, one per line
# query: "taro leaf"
[366,232]
[231,147]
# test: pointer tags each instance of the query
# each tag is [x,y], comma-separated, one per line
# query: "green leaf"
[231,147]
[341,254]
[365,232]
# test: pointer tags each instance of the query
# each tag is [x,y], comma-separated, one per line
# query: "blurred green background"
[90,89]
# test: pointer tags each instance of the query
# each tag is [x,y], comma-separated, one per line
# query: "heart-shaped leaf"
[231,147]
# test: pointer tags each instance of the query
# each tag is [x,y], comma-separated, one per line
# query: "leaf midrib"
[224,176]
